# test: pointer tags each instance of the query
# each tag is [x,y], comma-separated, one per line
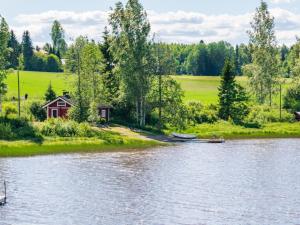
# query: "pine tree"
[50,94]
[15,50]
[227,91]
[27,50]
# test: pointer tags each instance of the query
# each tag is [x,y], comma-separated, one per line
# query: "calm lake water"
[240,182]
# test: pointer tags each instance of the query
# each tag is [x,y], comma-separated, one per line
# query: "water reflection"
[240,182]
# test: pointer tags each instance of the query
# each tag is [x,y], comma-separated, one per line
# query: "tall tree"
[58,39]
[15,50]
[111,80]
[4,51]
[232,97]
[227,91]
[81,87]
[132,48]
[264,51]
[27,50]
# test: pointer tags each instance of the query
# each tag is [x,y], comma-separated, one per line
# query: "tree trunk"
[160,102]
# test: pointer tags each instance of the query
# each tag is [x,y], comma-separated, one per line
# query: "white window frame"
[52,113]
[63,104]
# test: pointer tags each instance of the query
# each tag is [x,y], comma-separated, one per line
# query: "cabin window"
[103,113]
[61,104]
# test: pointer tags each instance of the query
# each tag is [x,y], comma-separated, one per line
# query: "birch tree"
[264,54]
[132,48]
[4,37]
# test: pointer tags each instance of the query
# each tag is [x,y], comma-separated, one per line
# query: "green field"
[196,88]
[35,84]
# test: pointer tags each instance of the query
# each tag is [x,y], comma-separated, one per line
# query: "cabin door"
[54,113]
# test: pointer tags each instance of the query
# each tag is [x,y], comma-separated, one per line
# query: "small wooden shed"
[104,112]
[58,108]
[297,116]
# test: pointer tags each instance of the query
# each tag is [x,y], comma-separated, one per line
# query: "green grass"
[202,88]
[35,84]
[69,145]
[229,131]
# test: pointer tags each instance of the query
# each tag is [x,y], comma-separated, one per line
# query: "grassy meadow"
[35,84]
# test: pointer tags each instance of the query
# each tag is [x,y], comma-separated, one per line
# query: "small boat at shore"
[183,137]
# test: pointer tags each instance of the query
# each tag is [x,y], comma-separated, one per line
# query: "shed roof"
[63,98]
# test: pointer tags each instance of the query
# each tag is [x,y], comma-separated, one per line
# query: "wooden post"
[4,192]
[19,100]
[280,101]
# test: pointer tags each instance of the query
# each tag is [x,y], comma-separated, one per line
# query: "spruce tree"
[50,94]
[227,91]
[27,50]
[15,50]
[111,83]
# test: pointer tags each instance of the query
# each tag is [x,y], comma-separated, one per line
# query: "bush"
[198,114]
[17,129]
[292,99]
[6,132]
[9,109]
[38,112]
[260,115]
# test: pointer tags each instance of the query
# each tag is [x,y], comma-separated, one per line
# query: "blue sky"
[174,20]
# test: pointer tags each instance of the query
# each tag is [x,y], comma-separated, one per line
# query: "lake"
[239,182]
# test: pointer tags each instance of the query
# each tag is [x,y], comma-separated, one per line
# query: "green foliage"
[133,53]
[292,99]
[198,114]
[53,64]
[27,51]
[50,94]
[264,72]
[110,78]
[58,39]
[15,51]
[17,129]
[38,112]
[261,115]
[232,97]
[9,109]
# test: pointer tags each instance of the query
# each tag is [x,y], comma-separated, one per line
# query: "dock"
[3,195]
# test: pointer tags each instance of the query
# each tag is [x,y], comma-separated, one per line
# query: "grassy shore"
[229,131]
[70,145]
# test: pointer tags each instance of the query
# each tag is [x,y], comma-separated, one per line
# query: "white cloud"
[180,26]
[281,1]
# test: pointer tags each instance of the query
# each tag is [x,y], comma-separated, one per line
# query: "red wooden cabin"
[58,108]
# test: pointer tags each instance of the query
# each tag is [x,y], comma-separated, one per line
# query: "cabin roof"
[63,98]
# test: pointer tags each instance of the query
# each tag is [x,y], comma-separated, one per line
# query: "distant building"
[58,108]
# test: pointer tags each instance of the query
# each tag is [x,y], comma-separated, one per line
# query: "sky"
[179,21]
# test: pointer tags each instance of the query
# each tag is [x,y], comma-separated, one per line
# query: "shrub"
[292,99]
[13,128]
[9,109]
[6,132]
[38,112]
[199,114]
[260,115]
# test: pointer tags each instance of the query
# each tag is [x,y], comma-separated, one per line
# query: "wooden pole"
[4,192]
[19,98]
[280,101]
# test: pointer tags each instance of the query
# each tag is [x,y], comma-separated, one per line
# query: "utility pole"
[19,99]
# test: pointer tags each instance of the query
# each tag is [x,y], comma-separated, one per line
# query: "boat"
[183,137]
[216,141]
